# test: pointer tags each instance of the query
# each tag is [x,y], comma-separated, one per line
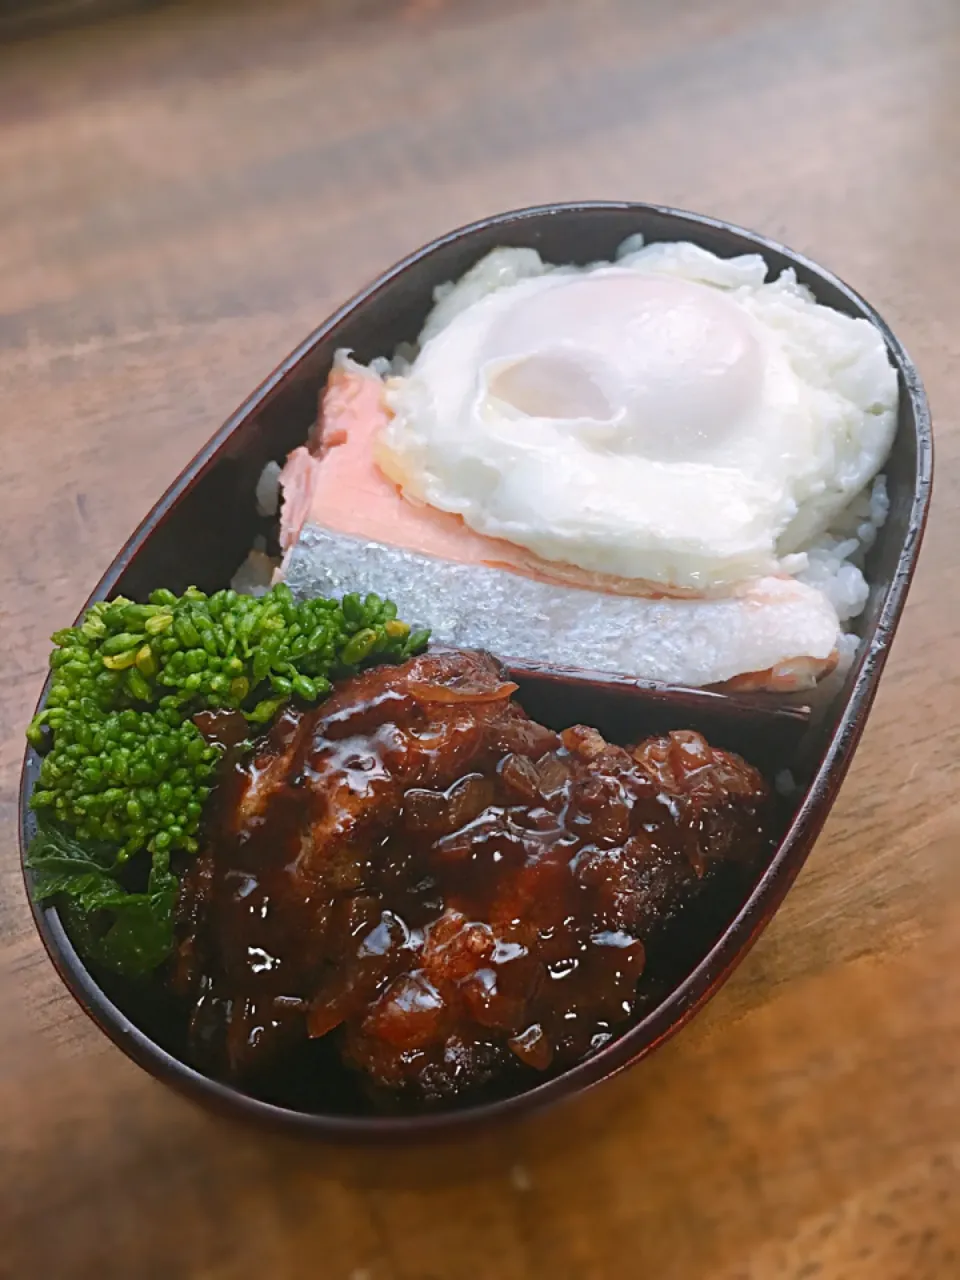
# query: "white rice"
[255,575]
[785,784]
[834,561]
[268,490]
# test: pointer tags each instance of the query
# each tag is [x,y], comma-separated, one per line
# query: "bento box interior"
[204,534]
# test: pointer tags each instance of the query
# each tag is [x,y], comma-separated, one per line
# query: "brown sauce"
[451,890]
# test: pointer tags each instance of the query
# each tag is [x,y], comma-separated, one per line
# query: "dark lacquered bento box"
[202,528]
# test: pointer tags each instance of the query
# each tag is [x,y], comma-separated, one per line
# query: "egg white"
[670,417]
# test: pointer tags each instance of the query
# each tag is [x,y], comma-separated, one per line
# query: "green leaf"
[140,938]
[54,854]
[130,933]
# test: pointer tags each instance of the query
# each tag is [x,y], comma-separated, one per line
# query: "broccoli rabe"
[129,777]
[124,764]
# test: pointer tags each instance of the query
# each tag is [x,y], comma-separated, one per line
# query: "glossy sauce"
[452,890]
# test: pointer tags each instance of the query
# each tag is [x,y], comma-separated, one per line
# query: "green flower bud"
[122,661]
[120,643]
[304,688]
[359,646]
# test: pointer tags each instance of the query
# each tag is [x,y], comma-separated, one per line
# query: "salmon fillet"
[356,522]
[336,482]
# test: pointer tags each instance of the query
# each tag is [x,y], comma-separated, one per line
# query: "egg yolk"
[672,367]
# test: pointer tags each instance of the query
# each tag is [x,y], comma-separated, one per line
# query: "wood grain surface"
[183,194]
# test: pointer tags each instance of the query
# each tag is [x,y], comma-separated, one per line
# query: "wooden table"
[183,195]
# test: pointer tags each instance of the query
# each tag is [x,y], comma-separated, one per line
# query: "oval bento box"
[203,526]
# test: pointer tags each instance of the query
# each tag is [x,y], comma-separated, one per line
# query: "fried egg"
[672,417]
